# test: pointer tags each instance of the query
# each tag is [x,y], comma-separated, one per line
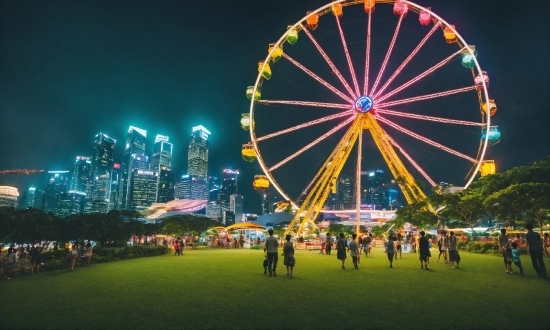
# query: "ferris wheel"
[333,95]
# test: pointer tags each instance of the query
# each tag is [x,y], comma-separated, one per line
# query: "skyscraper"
[376,190]
[182,189]
[30,198]
[266,206]
[161,162]
[345,193]
[197,155]
[229,187]
[165,187]
[81,175]
[143,189]
[98,193]
[236,206]
[56,186]
[137,162]
[135,144]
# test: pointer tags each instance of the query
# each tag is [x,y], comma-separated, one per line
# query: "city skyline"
[146,64]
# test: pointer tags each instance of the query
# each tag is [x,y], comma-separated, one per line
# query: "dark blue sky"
[71,69]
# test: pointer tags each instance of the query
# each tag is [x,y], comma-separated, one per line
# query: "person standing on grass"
[72,256]
[534,242]
[88,254]
[354,250]
[516,258]
[271,247]
[443,247]
[288,253]
[176,247]
[398,246]
[453,251]
[328,244]
[366,244]
[390,250]
[341,249]
[36,259]
[424,251]
[503,246]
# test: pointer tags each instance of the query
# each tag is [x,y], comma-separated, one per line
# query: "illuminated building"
[137,162]
[266,206]
[162,154]
[143,189]
[213,210]
[199,188]
[30,198]
[197,156]
[81,174]
[165,188]
[229,187]
[56,186]
[71,203]
[8,196]
[116,175]
[135,144]
[98,194]
[345,192]
[236,206]
[228,218]
[376,190]
[182,188]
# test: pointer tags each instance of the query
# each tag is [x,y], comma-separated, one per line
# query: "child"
[265,265]
[515,257]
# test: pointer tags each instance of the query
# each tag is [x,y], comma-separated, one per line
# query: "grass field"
[227,289]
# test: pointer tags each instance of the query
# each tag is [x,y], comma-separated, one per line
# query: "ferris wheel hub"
[363,104]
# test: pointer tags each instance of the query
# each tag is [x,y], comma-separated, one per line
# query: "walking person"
[503,247]
[288,253]
[36,259]
[453,251]
[424,251]
[534,243]
[390,250]
[341,249]
[328,243]
[88,255]
[443,244]
[176,248]
[72,256]
[354,250]
[398,246]
[515,257]
[366,244]
[271,247]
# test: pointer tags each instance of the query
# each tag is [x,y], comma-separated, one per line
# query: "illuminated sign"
[161,138]
[116,166]
[228,171]
[363,104]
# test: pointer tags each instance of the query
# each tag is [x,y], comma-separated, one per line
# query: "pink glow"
[387,54]
[310,123]
[329,62]
[429,118]
[424,139]
[427,97]
[420,76]
[350,64]
[319,79]
[319,139]
[308,104]
[367,60]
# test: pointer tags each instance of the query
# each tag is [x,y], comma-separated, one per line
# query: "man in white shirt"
[271,247]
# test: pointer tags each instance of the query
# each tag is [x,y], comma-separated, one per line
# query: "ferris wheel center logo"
[363,104]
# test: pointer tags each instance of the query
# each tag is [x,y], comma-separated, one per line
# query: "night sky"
[72,69]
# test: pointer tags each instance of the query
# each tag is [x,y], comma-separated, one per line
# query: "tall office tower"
[214,195]
[135,144]
[236,206]
[199,188]
[162,154]
[165,187]
[136,162]
[143,189]
[116,175]
[229,187]
[266,206]
[213,189]
[98,194]
[213,211]
[197,156]
[228,218]
[182,188]
[345,193]
[56,186]
[376,190]
[393,198]
[30,198]
[71,202]
[81,175]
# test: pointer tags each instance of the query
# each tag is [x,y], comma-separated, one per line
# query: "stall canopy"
[245,226]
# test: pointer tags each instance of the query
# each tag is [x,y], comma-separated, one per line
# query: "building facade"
[135,144]
[8,196]
[55,188]
[229,187]
[197,156]
[81,175]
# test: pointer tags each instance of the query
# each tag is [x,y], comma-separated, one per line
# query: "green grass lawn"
[227,289]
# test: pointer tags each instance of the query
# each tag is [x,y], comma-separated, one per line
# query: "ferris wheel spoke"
[319,79]
[410,159]
[309,123]
[329,62]
[390,49]
[348,57]
[306,103]
[427,96]
[420,76]
[309,146]
[407,60]
[424,139]
[367,56]
[428,118]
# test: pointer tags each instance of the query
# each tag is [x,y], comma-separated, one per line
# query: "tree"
[466,205]
[417,214]
[531,199]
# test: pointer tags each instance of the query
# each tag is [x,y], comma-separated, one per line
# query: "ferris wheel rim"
[299,24]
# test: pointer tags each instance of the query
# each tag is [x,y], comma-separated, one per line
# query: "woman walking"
[288,253]
[341,249]
[390,250]
[88,254]
[72,256]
